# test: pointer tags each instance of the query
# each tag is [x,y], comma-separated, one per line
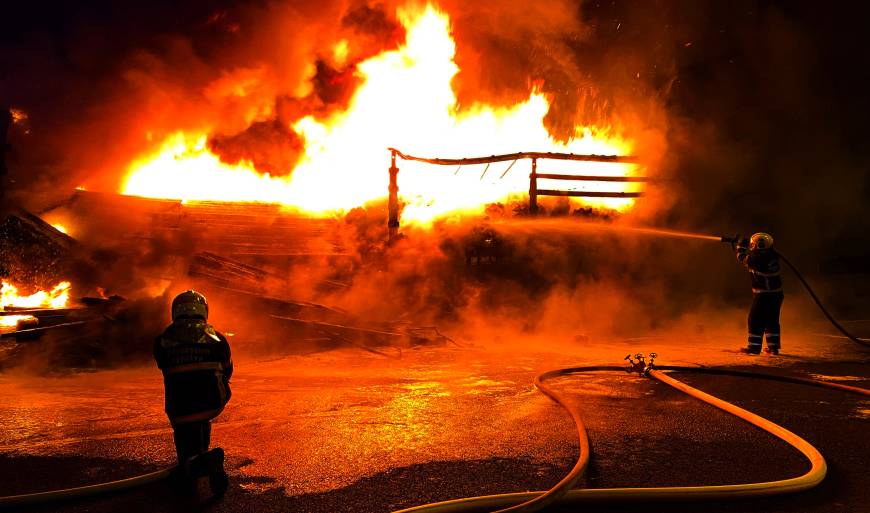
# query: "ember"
[18,116]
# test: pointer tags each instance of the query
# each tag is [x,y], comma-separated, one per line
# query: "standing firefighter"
[196,364]
[761,260]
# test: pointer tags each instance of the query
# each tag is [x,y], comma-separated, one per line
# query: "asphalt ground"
[357,432]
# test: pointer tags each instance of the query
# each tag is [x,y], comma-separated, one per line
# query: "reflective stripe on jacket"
[763,267]
[197,366]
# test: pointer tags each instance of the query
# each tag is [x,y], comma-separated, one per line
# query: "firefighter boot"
[218,480]
[753,345]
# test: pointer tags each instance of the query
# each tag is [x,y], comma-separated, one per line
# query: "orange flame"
[405,101]
[58,297]
[11,321]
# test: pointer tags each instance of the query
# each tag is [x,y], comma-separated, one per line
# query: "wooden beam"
[589,178]
[519,155]
[589,194]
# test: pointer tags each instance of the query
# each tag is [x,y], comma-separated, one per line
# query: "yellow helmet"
[760,241]
[189,304]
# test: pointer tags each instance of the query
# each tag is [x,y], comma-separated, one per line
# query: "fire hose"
[562,492]
[821,306]
[32,499]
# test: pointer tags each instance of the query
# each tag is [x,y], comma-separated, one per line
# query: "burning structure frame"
[534,176]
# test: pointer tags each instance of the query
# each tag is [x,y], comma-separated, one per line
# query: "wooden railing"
[534,176]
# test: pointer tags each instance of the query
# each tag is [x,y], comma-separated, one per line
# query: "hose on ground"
[562,493]
[763,375]
[818,302]
[525,501]
[553,494]
[31,499]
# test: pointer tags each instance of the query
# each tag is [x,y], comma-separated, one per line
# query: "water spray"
[571,226]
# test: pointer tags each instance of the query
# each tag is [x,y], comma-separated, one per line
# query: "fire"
[405,101]
[339,52]
[58,297]
[11,321]
[61,228]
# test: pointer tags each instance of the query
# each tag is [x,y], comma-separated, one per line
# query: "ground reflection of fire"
[406,100]
[411,427]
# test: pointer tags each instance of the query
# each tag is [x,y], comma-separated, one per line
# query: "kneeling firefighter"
[197,367]
[762,261]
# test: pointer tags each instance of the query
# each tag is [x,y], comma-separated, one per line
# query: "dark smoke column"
[5,123]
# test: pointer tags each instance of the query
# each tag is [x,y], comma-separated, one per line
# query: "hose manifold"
[639,365]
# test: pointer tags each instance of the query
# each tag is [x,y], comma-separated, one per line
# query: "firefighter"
[759,257]
[197,367]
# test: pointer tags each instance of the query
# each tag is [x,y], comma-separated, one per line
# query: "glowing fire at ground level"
[12,321]
[406,100]
[57,297]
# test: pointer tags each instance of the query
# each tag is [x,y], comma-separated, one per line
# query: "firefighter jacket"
[196,364]
[763,268]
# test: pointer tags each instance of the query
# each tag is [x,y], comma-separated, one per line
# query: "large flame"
[405,101]
[58,297]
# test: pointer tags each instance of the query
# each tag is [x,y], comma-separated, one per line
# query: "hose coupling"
[639,365]
[635,364]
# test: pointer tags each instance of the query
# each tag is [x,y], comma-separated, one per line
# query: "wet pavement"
[348,430]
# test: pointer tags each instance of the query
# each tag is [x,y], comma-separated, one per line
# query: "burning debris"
[20,314]
[280,212]
[32,250]
[57,297]
[302,321]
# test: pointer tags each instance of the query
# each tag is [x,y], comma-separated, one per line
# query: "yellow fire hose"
[31,499]
[562,492]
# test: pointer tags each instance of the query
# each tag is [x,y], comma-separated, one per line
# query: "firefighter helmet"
[760,241]
[189,304]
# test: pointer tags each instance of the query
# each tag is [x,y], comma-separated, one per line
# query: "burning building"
[250,173]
